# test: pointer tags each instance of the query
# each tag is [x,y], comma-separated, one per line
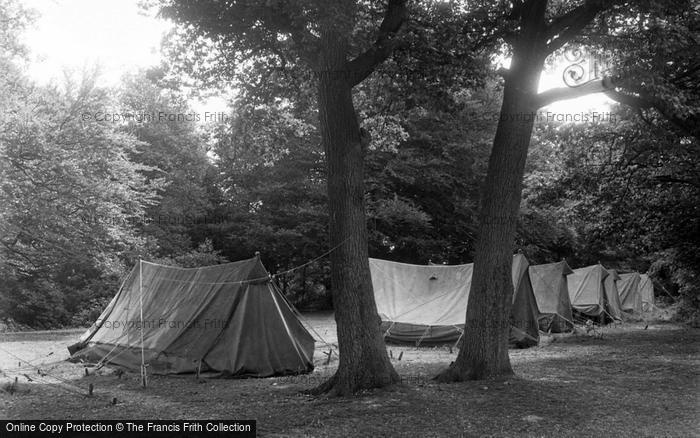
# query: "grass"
[631,382]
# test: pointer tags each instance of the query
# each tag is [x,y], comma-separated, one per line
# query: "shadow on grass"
[629,383]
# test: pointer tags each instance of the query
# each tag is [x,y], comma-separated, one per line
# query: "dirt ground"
[638,379]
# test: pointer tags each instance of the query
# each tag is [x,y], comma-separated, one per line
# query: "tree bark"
[364,362]
[484,347]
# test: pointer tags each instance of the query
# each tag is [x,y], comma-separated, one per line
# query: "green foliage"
[36,302]
[68,192]
[82,200]
[175,148]
[14,19]
[203,255]
[273,183]
[626,194]
[88,301]
[644,47]
[423,197]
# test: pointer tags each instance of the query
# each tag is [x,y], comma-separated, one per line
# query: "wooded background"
[81,200]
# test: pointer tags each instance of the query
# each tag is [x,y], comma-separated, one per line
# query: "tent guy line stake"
[64,384]
[461,335]
[389,329]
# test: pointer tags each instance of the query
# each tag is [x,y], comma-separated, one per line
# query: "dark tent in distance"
[427,304]
[552,295]
[612,295]
[646,292]
[628,287]
[227,318]
[524,331]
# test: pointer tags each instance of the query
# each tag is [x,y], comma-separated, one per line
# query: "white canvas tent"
[587,290]
[421,303]
[553,303]
[427,304]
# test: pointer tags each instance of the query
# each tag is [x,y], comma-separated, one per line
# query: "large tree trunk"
[484,347]
[364,362]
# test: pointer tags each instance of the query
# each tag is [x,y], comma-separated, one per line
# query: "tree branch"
[673,180]
[564,28]
[563,93]
[628,99]
[365,63]
[305,41]
[688,124]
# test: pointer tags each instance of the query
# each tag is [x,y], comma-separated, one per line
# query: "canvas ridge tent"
[552,296]
[628,287]
[587,290]
[427,304]
[228,318]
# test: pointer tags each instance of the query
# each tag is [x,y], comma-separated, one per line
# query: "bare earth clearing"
[631,382]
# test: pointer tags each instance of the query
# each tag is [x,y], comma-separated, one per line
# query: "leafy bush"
[37,303]
[204,255]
